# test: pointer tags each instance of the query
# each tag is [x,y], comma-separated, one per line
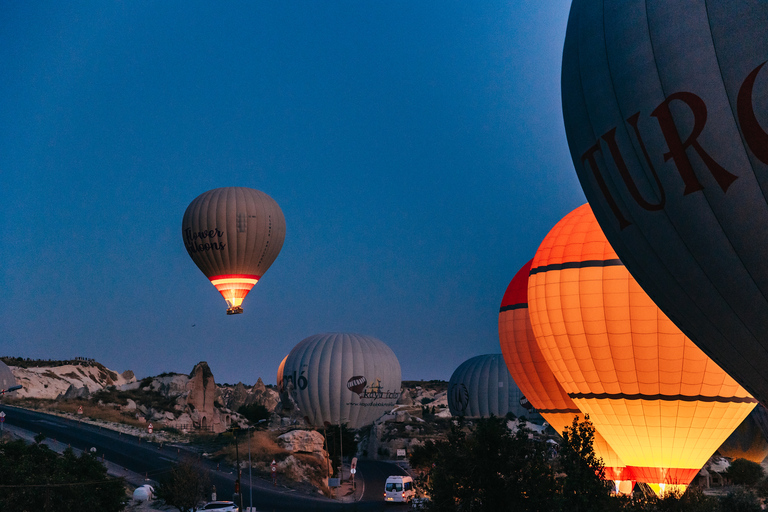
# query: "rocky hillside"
[183,402]
[64,379]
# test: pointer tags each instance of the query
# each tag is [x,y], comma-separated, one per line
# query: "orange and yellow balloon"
[532,375]
[661,403]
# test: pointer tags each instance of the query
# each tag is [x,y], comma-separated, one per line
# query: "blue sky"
[416,149]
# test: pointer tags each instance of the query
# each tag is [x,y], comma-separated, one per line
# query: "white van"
[399,488]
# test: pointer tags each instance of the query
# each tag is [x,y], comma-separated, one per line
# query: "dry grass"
[264,448]
[90,410]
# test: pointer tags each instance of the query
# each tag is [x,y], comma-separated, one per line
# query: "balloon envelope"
[482,386]
[531,373]
[665,104]
[280,374]
[233,235]
[343,378]
[660,402]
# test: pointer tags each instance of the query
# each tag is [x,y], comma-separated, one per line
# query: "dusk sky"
[417,151]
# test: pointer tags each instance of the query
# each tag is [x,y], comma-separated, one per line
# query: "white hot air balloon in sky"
[482,386]
[341,378]
[233,235]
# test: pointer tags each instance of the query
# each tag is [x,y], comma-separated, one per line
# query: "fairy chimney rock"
[202,393]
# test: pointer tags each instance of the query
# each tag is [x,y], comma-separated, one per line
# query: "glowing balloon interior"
[660,402]
[536,381]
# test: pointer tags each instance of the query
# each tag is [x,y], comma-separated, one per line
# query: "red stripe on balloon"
[674,476]
[235,276]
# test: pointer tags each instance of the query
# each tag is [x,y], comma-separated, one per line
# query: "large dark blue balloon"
[665,104]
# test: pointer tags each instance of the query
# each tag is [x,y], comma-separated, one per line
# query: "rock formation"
[200,400]
[234,397]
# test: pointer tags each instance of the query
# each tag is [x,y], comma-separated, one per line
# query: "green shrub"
[745,472]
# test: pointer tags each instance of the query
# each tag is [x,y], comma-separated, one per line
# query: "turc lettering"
[754,135]
[621,165]
[677,147]
[589,158]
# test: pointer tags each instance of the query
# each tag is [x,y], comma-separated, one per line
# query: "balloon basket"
[235,310]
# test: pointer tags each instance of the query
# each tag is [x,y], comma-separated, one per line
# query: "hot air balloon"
[532,375]
[481,386]
[343,378]
[661,403]
[280,375]
[665,104]
[233,235]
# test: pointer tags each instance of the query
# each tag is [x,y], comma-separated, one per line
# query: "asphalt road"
[153,460]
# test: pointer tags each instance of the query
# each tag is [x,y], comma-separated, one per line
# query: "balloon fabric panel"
[656,398]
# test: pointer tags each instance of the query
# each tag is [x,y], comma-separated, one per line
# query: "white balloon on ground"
[482,386]
[342,378]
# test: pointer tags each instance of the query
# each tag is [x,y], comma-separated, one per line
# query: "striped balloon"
[481,386]
[342,378]
[233,235]
[530,371]
[661,403]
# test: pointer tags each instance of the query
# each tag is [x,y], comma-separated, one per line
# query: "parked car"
[221,506]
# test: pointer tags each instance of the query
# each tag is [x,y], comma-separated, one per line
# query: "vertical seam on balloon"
[242,197]
[217,260]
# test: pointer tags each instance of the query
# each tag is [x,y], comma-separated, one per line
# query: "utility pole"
[237,481]
[341,449]
[250,477]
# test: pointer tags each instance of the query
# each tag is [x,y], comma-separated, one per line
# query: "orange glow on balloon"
[530,372]
[660,402]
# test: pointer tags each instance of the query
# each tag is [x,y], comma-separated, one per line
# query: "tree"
[584,488]
[254,412]
[423,456]
[740,500]
[35,477]
[489,468]
[184,486]
[745,472]
[335,444]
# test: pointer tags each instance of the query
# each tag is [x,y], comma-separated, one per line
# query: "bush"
[254,412]
[740,500]
[184,486]
[34,477]
[745,472]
